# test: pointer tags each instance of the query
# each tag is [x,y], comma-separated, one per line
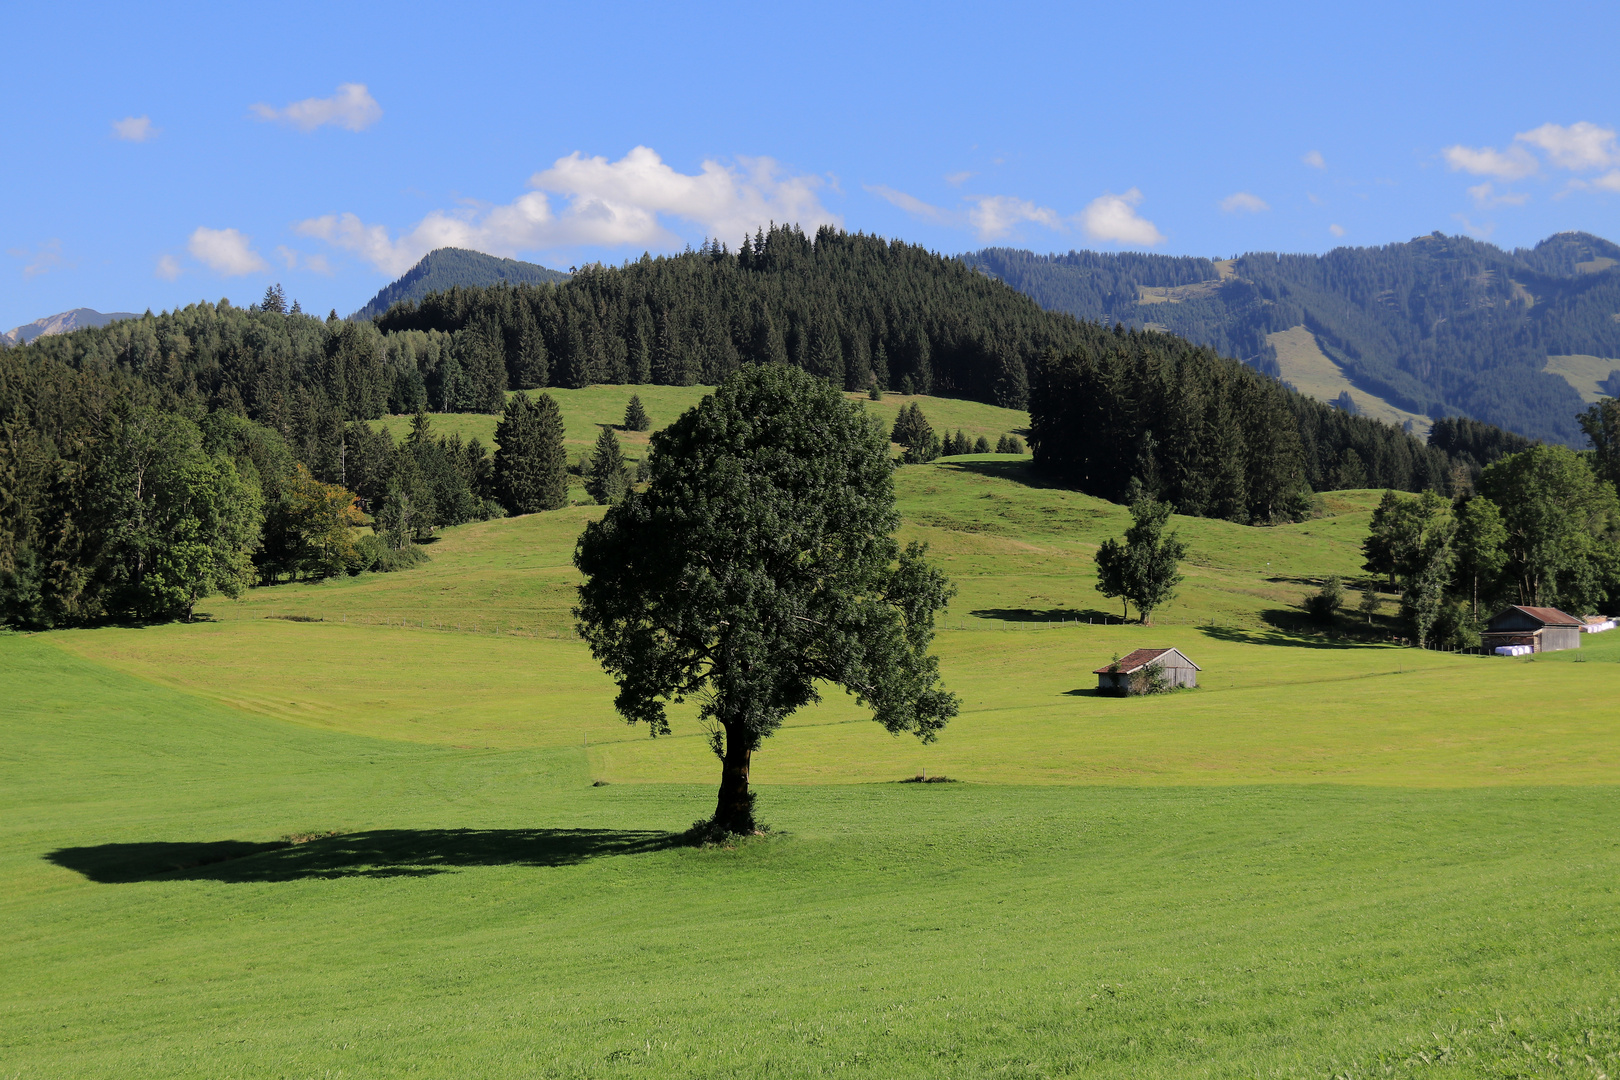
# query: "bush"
[1325,605]
[376,555]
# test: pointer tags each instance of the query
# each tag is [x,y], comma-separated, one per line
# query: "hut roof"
[1139,659]
[1546,616]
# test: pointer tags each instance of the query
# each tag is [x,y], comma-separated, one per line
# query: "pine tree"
[912,431]
[275,299]
[606,479]
[981,445]
[635,417]
[530,463]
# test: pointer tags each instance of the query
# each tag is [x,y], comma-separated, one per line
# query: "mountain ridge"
[445,268]
[62,322]
[1435,326]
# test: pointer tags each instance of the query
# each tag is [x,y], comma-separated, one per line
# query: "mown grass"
[1335,858]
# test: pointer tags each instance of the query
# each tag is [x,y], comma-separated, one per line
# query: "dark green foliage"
[1324,604]
[1472,444]
[1439,326]
[275,299]
[530,472]
[1144,570]
[1601,423]
[981,445]
[1562,528]
[606,479]
[110,506]
[1009,444]
[957,444]
[912,431]
[635,417]
[447,268]
[759,562]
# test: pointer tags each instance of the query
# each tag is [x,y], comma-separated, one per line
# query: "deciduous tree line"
[1543,529]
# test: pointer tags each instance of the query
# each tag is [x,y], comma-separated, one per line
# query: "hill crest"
[445,268]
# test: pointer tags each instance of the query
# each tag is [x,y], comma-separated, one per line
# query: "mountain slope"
[1434,327]
[77,319]
[448,267]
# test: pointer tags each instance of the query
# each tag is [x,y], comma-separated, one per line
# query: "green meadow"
[390,826]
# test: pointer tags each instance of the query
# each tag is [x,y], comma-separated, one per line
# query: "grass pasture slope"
[349,829]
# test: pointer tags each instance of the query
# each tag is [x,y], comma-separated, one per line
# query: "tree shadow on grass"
[375,854]
[1290,629]
[1020,470]
[1057,615]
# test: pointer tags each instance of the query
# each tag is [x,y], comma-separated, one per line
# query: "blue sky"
[187,152]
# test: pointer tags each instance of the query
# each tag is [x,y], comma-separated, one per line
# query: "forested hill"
[446,268]
[1439,326]
[1218,437]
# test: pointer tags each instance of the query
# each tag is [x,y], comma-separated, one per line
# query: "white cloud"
[1243,201]
[610,204]
[288,257]
[957,179]
[1486,195]
[996,215]
[913,205]
[351,107]
[225,251]
[1482,231]
[1579,147]
[1113,218]
[1336,230]
[43,259]
[318,264]
[1314,159]
[1511,164]
[168,268]
[134,129]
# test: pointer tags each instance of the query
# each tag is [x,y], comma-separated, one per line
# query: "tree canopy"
[760,560]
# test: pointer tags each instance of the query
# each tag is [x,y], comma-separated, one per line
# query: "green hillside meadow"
[390,826]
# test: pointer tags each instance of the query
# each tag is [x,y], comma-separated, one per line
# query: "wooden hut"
[1543,629]
[1131,675]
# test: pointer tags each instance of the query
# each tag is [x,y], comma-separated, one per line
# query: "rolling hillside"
[1434,327]
[390,825]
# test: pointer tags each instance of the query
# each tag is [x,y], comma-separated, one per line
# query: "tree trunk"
[734,811]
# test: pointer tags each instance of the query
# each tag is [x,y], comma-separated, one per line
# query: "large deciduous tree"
[759,562]
[1562,524]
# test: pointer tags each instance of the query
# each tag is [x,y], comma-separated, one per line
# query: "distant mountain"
[447,267]
[1438,326]
[77,319]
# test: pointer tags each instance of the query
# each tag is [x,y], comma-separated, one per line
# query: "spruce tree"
[981,445]
[635,417]
[606,479]
[530,462]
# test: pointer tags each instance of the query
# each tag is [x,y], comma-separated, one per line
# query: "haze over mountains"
[1437,326]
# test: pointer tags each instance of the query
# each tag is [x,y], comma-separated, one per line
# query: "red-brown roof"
[1549,616]
[1132,661]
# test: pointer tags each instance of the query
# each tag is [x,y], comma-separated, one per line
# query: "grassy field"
[350,829]
[1584,373]
[1311,371]
[585,410]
